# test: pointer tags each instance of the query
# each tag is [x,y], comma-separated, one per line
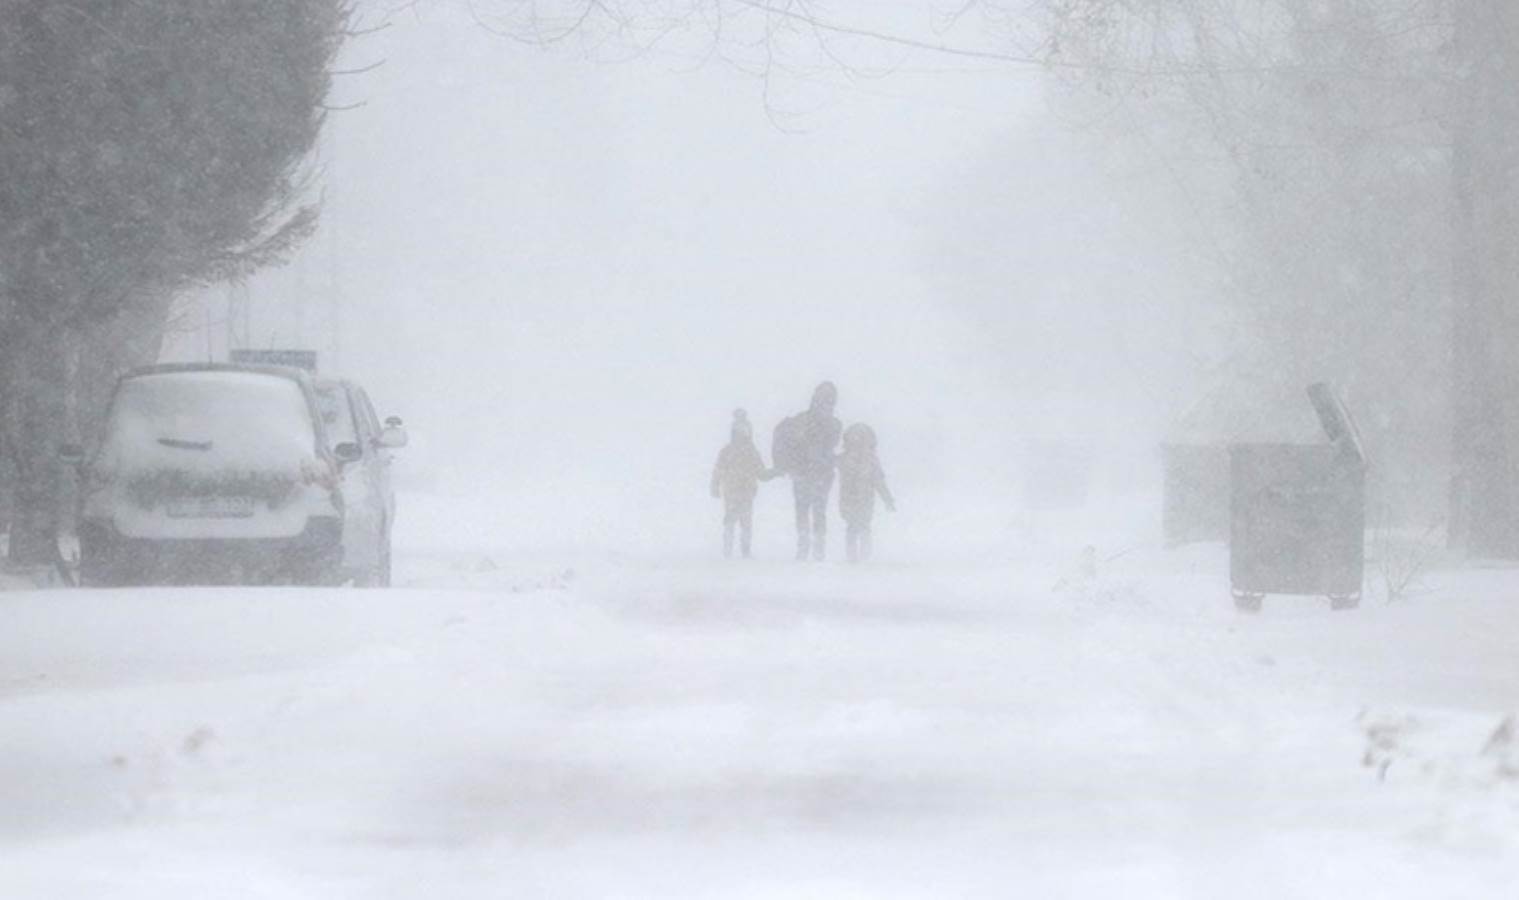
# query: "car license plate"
[211,508]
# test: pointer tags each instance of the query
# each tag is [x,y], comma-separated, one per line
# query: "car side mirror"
[393,422]
[392,438]
[348,452]
[71,454]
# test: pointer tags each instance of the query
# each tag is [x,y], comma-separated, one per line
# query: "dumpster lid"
[1336,420]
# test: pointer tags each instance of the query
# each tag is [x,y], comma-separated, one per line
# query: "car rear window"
[209,421]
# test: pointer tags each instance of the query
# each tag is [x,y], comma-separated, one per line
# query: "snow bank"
[649,730]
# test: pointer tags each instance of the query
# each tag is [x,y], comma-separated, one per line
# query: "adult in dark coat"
[814,436]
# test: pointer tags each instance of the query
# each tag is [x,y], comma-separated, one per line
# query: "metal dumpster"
[1297,514]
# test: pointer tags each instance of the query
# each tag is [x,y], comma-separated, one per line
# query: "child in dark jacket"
[736,479]
[860,480]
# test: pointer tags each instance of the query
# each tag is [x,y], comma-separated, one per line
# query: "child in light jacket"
[860,480]
[736,479]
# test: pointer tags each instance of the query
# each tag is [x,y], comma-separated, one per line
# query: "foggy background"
[566,266]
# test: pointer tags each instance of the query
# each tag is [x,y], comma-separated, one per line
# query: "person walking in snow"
[736,479]
[860,480]
[804,448]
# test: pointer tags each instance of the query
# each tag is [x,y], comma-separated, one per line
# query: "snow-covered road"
[696,730]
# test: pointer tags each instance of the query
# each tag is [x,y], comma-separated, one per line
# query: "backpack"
[786,445]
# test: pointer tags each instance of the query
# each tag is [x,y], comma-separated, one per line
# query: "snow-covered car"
[361,445]
[208,473]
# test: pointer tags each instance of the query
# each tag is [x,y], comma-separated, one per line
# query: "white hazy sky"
[565,272]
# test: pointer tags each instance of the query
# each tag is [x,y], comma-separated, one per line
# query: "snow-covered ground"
[564,728]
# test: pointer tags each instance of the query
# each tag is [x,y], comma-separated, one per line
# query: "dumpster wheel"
[1248,602]
[1344,601]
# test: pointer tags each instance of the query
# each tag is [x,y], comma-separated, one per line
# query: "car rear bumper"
[311,557]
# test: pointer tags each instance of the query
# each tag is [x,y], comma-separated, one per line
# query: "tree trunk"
[7,479]
[33,416]
[56,387]
[1485,281]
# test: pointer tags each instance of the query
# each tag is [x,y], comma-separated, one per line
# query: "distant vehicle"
[362,448]
[209,473]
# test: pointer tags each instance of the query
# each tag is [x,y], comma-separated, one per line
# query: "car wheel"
[93,574]
[98,570]
[321,569]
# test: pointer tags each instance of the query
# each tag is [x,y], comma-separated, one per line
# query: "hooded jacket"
[860,476]
[739,466]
